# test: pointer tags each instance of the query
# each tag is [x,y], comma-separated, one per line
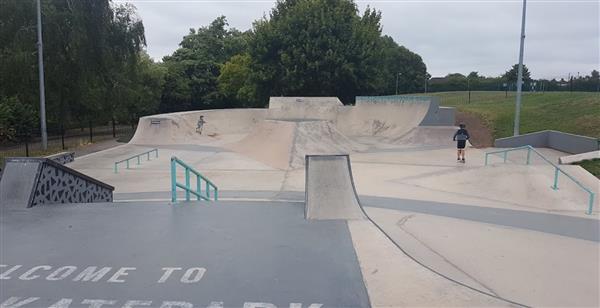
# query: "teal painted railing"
[189,190]
[390,98]
[126,160]
[557,170]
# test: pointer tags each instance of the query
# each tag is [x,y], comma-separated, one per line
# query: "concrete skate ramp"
[429,135]
[180,127]
[284,144]
[303,108]
[28,182]
[330,191]
[385,116]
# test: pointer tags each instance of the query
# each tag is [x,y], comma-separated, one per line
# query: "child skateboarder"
[461,136]
[200,125]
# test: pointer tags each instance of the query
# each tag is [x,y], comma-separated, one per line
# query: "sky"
[562,36]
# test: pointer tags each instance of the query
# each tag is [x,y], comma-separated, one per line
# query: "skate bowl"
[391,116]
[385,116]
[330,191]
[180,127]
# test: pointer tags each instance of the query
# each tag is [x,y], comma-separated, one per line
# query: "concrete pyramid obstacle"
[330,191]
[27,182]
[283,144]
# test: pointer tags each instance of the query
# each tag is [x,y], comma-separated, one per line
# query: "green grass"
[592,166]
[576,112]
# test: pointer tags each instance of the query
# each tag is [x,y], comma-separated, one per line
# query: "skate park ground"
[436,232]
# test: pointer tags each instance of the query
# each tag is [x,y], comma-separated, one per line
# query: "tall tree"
[511,75]
[315,47]
[193,69]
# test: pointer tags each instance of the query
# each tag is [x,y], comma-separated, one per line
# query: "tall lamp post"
[520,73]
[41,77]
[397,76]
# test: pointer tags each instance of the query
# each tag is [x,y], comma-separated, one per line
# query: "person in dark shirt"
[461,136]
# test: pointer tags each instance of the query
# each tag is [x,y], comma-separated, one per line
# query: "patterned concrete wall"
[48,182]
[57,185]
[62,157]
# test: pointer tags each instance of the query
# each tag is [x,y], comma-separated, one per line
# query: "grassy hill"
[576,112]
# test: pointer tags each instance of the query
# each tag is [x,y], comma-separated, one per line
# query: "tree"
[143,97]
[315,48]
[19,121]
[235,83]
[193,69]
[511,75]
[90,55]
[397,61]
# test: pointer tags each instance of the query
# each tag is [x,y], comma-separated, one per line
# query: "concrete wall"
[303,108]
[446,116]
[435,116]
[62,157]
[29,182]
[565,142]
[579,157]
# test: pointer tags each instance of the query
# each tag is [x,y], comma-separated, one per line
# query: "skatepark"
[310,203]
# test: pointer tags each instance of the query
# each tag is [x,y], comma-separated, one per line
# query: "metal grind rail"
[189,190]
[557,170]
[126,160]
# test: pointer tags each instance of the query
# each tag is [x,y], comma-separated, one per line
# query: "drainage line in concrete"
[433,270]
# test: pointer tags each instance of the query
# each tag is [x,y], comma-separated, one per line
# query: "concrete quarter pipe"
[330,191]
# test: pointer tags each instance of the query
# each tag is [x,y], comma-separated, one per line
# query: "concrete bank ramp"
[428,135]
[284,144]
[330,191]
[180,127]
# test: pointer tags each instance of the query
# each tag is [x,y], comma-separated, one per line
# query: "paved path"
[235,253]
[570,226]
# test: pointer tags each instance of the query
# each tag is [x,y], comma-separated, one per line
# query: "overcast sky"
[562,37]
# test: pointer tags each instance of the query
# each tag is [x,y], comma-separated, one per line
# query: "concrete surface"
[229,250]
[330,192]
[498,229]
[394,280]
[532,268]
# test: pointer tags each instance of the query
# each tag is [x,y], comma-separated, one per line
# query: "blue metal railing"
[557,170]
[198,192]
[126,160]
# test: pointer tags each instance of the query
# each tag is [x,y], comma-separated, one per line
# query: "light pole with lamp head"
[397,76]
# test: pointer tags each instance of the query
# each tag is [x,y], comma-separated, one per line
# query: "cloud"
[562,37]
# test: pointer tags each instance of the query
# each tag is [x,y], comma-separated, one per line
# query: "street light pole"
[397,75]
[41,77]
[520,73]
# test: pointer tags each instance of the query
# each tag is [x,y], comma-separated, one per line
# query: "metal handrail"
[126,160]
[392,97]
[200,195]
[557,171]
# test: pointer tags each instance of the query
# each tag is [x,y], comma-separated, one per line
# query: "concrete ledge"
[62,157]
[28,182]
[565,142]
[565,160]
